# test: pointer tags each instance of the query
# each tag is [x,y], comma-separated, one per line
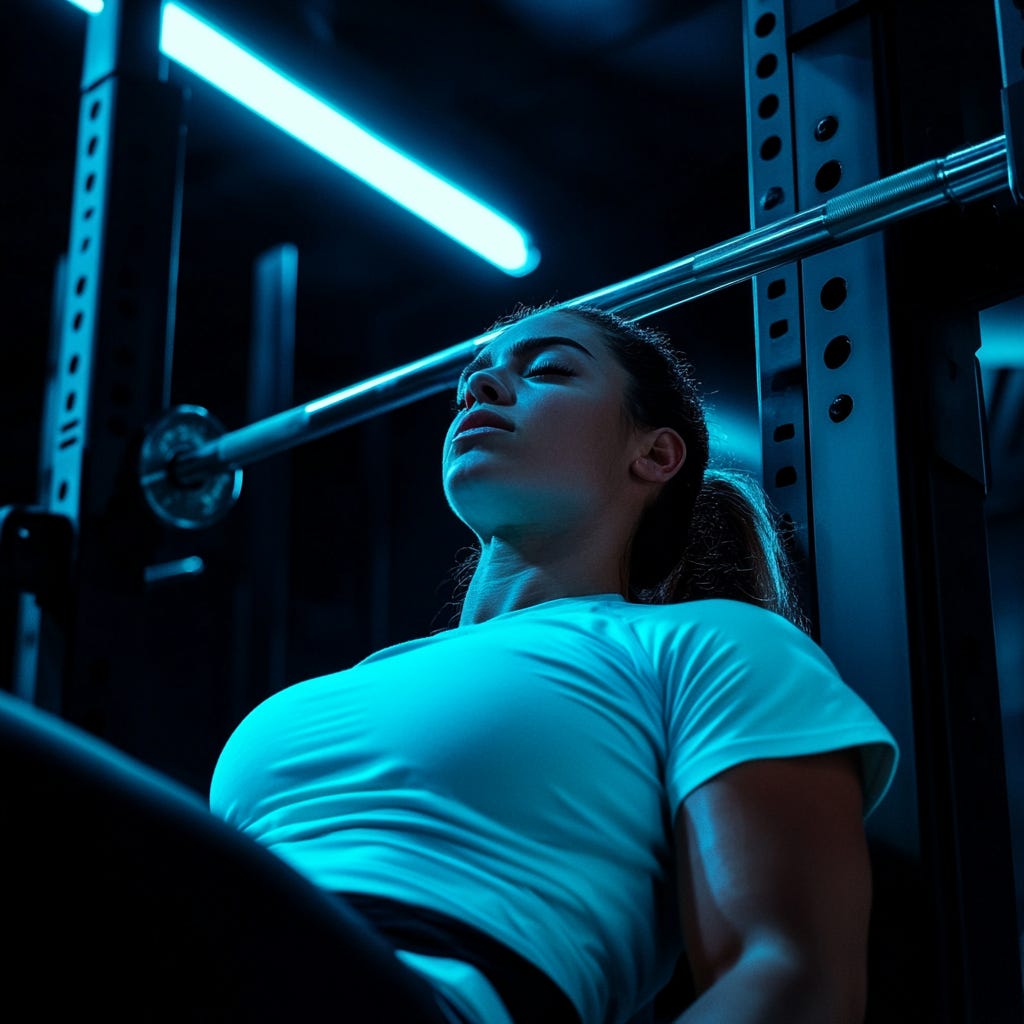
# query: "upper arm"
[772,859]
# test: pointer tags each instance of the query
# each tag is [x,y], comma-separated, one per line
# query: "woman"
[541,808]
[526,818]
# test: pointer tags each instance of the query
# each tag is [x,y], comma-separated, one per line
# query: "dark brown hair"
[711,531]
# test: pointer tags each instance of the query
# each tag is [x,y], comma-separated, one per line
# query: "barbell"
[190,467]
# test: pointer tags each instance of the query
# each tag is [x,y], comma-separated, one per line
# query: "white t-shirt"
[522,774]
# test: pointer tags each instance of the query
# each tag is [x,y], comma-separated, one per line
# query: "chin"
[510,509]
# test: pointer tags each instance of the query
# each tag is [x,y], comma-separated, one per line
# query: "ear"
[663,453]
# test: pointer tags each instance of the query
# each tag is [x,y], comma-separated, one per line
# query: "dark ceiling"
[614,131]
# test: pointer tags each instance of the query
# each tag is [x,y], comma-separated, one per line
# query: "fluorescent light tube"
[204,50]
[225,64]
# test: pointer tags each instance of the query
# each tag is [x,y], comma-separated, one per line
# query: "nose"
[487,386]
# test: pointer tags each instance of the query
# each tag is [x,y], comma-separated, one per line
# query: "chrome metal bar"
[963,176]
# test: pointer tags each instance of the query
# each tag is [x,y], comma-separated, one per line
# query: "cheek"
[598,445]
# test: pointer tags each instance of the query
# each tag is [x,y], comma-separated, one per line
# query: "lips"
[483,418]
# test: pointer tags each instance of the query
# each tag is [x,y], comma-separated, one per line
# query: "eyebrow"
[520,349]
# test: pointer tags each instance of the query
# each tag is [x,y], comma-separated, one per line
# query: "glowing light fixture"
[230,67]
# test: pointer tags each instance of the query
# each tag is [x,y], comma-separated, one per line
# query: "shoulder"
[732,647]
[741,683]
[718,628]
[715,613]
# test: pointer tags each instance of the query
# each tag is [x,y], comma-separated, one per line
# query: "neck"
[514,575]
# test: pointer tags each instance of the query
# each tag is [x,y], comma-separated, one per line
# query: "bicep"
[772,858]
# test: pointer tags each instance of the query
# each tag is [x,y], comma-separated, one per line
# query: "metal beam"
[111,374]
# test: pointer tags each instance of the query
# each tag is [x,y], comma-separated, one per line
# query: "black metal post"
[261,621]
[111,376]
[782,384]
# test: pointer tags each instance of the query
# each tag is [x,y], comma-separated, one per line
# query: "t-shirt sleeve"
[743,684]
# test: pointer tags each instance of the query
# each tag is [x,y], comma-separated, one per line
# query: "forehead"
[553,323]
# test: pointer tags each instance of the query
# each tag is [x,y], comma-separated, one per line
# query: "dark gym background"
[612,130]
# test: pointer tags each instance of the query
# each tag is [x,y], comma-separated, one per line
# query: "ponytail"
[733,549]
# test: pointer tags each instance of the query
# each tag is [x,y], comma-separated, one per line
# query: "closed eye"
[458,403]
[556,369]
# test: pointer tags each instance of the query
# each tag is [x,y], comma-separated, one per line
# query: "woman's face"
[540,440]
